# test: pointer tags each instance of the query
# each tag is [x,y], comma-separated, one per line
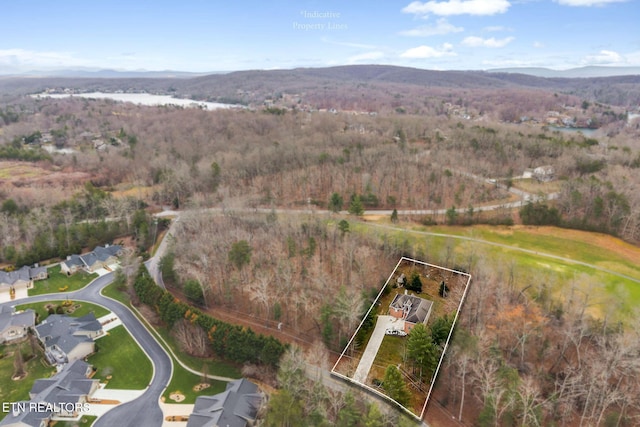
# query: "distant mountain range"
[330,83]
[582,72]
[101,73]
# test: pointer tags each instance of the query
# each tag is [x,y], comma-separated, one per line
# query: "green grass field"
[85,421]
[80,308]
[36,368]
[58,281]
[116,354]
[183,382]
[525,253]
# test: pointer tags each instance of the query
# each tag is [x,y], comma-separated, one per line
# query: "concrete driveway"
[369,355]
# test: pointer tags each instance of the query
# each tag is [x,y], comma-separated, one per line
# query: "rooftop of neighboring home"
[8,318]
[57,325]
[234,407]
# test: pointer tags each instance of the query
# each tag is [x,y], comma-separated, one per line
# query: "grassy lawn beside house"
[59,282]
[184,382]
[120,361]
[36,368]
[80,308]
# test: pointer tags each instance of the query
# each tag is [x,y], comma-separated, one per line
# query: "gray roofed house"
[100,257]
[66,338]
[22,278]
[72,264]
[91,261]
[27,418]
[16,279]
[14,326]
[411,309]
[64,392]
[237,406]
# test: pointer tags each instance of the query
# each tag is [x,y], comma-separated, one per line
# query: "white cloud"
[22,57]
[441,27]
[423,52]
[538,45]
[367,56]
[587,3]
[458,7]
[473,41]
[605,57]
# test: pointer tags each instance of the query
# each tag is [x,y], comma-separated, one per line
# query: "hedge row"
[233,343]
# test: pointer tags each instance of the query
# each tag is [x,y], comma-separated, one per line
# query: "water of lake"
[143,99]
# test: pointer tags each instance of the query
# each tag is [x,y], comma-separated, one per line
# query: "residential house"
[24,414]
[66,339]
[411,309]
[544,173]
[14,326]
[22,278]
[100,257]
[68,390]
[237,406]
[72,264]
[59,396]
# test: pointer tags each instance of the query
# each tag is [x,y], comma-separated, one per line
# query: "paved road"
[144,411]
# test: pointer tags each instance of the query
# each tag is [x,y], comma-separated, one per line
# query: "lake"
[142,99]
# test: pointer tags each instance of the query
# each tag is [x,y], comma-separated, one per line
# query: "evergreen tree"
[374,417]
[415,284]
[349,414]
[422,351]
[356,207]
[394,385]
[335,203]
[394,216]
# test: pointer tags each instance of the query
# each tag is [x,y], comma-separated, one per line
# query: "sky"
[212,35]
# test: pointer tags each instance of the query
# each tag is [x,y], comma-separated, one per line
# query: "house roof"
[66,343]
[9,318]
[29,417]
[89,259]
[74,260]
[36,271]
[107,251]
[69,385]
[234,407]
[11,277]
[67,332]
[417,309]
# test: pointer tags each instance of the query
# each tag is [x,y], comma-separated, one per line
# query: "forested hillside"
[285,246]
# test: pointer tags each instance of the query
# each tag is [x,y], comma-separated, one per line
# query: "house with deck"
[66,339]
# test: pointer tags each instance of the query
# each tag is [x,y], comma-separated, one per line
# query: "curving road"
[145,410]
